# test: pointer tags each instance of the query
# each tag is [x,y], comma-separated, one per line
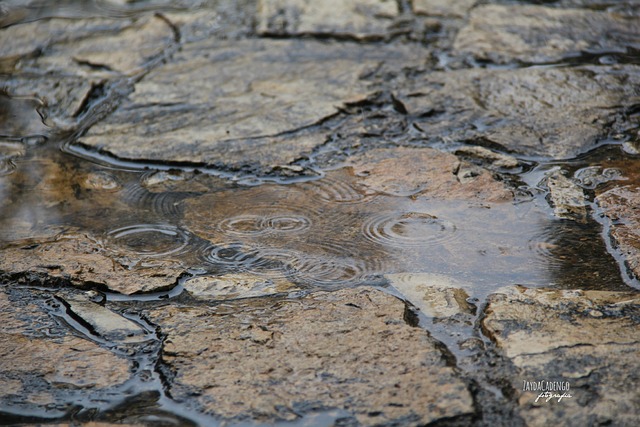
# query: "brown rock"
[587,339]
[349,349]
[423,171]
[233,286]
[545,111]
[435,295]
[542,34]
[457,8]
[621,205]
[567,198]
[356,18]
[233,105]
[83,260]
[38,359]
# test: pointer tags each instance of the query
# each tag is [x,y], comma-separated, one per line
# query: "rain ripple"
[409,229]
[149,240]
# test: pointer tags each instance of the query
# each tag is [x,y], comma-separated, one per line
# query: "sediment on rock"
[570,337]
[349,350]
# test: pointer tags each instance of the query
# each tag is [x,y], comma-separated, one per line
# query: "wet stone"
[455,8]
[535,34]
[83,261]
[234,286]
[567,197]
[435,295]
[426,172]
[104,322]
[551,112]
[589,339]
[620,205]
[239,102]
[349,350]
[42,364]
[355,18]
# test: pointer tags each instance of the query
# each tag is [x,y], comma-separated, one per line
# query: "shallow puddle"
[89,243]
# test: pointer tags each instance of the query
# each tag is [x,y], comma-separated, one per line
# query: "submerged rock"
[239,285]
[42,364]
[426,172]
[83,261]
[588,339]
[238,103]
[553,112]
[350,350]
[620,205]
[436,295]
[533,34]
[336,18]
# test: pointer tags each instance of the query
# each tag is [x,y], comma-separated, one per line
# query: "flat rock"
[535,34]
[360,19]
[233,105]
[239,285]
[104,322]
[426,172]
[588,339]
[621,205]
[552,112]
[40,361]
[436,295]
[349,350]
[84,261]
[567,197]
[455,8]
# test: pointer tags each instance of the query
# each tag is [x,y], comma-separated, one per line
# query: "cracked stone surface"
[534,34]
[456,8]
[350,349]
[426,172]
[546,111]
[82,260]
[229,105]
[41,362]
[575,337]
[621,205]
[355,18]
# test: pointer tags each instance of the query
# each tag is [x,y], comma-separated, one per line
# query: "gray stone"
[542,34]
[589,339]
[349,350]
[554,112]
[239,102]
[356,18]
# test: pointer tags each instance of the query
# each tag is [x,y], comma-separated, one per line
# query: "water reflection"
[328,233]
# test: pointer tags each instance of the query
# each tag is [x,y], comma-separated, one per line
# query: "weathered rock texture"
[556,112]
[337,18]
[402,171]
[83,261]
[40,361]
[237,102]
[543,34]
[587,338]
[277,359]
[621,205]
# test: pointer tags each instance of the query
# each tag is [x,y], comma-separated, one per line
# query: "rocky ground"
[340,212]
